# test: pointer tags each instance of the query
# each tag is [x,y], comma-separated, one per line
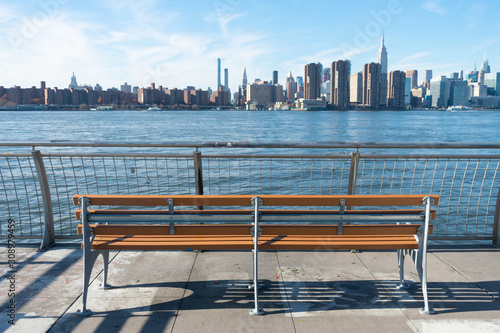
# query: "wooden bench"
[362,222]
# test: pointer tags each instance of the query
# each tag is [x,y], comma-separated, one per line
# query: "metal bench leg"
[89,256]
[88,263]
[426,309]
[105,258]
[423,252]
[401,265]
[256,311]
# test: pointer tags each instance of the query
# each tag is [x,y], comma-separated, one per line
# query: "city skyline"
[177,45]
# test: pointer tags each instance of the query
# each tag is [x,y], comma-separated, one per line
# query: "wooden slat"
[351,200]
[338,242]
[238,238]
[271,242]
[162,200]
[206,229]
[341,246]
[347,229]
[245,200]
[123,242]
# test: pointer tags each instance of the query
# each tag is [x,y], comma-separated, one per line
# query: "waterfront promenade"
[330,291]
[207,291]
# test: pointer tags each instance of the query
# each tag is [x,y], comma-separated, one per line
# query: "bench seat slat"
[119,242]
[342,246]
[270,242]
[263,238]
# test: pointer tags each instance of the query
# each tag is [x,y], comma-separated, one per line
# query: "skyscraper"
[326,74]
[486,67]
[126,88]
[226,79]
[275,77]
[312,78]
[371,85]
[382,57]
[356,94]
[396,99]
[440,92]
[73,84]
[407,91]
[218,73]
[245,80]
[340,89]
[300,81]
[492,81]
[427,78]
[459,93]
[413,74]
[242,91]
[291,87]
[382,60]
[264,93]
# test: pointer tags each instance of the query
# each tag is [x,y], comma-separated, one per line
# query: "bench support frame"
[90,257]
[256,311]
[419,256]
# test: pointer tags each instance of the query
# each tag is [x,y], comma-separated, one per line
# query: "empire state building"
[382,60]
[382,57]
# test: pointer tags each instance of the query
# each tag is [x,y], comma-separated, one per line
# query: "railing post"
[353,173]
[198,173]
[496,223]
[49,237]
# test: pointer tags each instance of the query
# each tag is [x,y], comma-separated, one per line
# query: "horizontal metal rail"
[467,179]
[238,218]
[281,156]
[242,144]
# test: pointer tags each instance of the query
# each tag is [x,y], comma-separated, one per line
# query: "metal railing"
[36,188]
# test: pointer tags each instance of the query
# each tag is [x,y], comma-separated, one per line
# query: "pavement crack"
[284,292]
[185,290]
[466,278]
[389,294]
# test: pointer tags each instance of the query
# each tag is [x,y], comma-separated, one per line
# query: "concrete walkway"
[207,292]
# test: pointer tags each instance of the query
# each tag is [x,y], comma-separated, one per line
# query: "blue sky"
[177,43]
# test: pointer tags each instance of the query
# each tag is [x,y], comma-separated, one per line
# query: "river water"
[468,187]
[280,126]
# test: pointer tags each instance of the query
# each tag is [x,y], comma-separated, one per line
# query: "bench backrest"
[345,214]
[267,200]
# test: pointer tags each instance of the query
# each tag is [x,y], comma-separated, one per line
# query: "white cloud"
[475,15]
[7,13]
[416,56]
[223,19]
[349,53]
[434,6]
[52,48]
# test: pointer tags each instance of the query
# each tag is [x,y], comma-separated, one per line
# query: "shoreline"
[65,109]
